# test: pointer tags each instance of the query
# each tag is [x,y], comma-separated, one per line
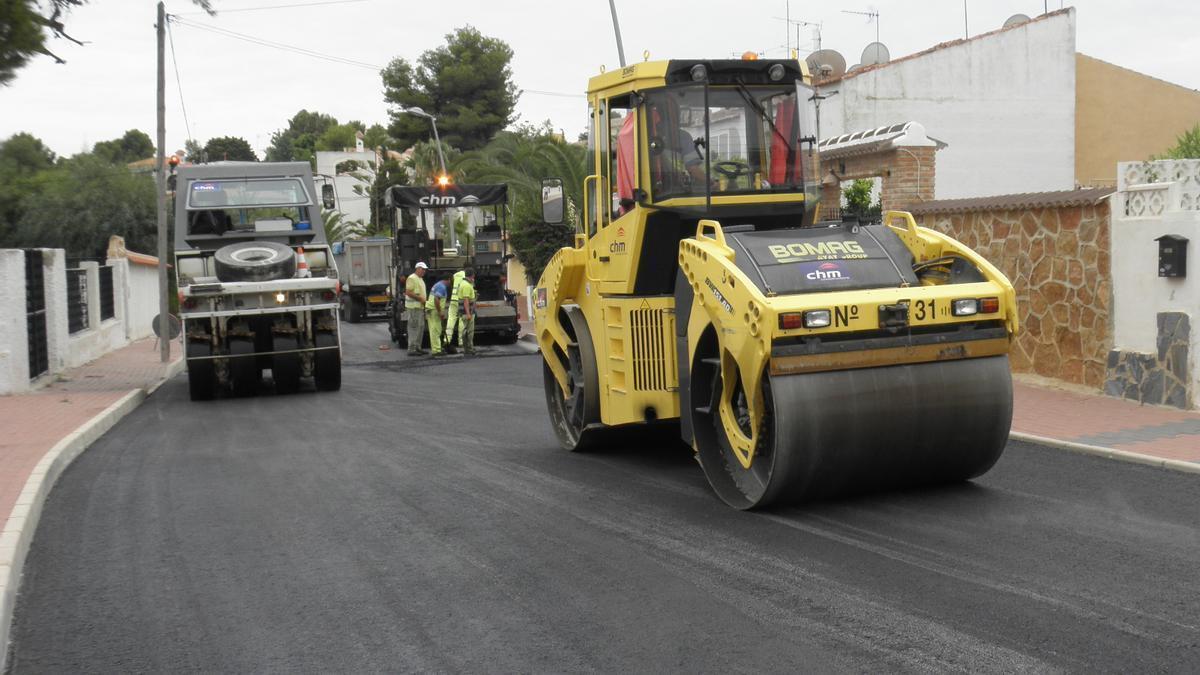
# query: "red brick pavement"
[32,423]
[1100,420]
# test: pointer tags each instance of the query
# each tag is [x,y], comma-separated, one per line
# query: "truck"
[799,359]
[365,266]
[447,247]
[258,286]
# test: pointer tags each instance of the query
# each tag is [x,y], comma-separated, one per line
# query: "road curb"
[17,534]
[1110,453]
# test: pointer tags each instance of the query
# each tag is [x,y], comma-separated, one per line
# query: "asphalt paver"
[423,518]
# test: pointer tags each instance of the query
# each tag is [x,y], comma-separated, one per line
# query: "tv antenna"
[871,14]
[787,18]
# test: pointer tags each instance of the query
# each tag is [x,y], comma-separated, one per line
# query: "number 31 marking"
[923,310]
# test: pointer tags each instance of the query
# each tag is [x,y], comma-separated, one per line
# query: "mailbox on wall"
[1172,255]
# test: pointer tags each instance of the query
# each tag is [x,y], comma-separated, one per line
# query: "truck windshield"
[750,143]
[219,194]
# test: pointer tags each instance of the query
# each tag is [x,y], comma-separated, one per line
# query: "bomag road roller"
[799,359]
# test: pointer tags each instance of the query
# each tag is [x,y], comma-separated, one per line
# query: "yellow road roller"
[800,359]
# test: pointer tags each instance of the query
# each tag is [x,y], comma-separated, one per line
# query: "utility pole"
[164,307]
[612,6]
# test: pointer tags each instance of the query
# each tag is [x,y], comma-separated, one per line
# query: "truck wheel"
[285,368]
[255,261]
[202,375]
[244,373]
[327,363]
[508,338]
[354,310]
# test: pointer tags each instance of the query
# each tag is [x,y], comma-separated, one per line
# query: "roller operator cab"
[258,287]
[800,359]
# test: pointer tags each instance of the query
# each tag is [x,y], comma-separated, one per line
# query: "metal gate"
[35,314]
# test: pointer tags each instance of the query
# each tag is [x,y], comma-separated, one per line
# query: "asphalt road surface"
[423,519]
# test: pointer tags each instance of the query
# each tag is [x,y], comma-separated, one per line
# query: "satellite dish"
[173,325]
[1016,20]
[854,68]
[875,54]
[827,62]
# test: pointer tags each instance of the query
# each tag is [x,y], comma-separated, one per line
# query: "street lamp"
[436,139]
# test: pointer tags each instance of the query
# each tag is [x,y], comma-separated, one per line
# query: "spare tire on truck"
[255,261]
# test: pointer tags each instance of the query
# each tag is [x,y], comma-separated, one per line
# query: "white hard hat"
[422,266]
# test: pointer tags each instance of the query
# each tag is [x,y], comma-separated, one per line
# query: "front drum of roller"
[850,431]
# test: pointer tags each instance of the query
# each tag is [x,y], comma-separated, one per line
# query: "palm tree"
[337,227]
[522,159]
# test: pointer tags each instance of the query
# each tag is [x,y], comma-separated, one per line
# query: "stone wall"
[1057,257]
[1160,378]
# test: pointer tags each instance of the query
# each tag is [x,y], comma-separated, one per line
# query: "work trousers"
[416,328]
[466,334]
[434,320]
[452,323]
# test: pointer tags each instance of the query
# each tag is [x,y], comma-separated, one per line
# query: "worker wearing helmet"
[466,323]
[452,320]
[435,314]
[414,305]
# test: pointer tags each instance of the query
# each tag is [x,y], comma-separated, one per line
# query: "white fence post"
[14,337]
[54,263]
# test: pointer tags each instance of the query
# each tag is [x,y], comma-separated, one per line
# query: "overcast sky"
[234,87]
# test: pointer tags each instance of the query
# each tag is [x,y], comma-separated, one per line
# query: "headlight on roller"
[816,318]
[966,307]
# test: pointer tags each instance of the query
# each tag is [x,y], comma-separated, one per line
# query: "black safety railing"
[107,300]
[35,314]
[77,293]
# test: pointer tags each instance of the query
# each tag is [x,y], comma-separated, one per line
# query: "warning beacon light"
[443,180]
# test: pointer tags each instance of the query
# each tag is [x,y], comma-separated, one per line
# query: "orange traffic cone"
[302,264]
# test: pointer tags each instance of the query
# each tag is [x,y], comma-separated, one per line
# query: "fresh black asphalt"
[424,519]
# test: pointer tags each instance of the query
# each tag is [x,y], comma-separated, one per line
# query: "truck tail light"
[989,305]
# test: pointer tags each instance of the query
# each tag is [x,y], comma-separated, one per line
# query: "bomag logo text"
[718,295]
[616,247]
[438,200]
[825,250]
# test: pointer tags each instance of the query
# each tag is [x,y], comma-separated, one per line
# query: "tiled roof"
[939,47]
[1021,201]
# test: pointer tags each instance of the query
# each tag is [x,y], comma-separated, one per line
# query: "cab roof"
[650,74]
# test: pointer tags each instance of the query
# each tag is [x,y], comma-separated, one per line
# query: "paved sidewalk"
[34,422]
[1076,416]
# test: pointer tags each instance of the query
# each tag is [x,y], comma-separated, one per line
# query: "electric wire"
[269,7]
[178,82]
[263,42]
[278,45]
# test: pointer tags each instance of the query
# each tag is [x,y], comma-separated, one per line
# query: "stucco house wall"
[1003,102]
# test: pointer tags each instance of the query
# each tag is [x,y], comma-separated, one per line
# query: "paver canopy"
[404,196]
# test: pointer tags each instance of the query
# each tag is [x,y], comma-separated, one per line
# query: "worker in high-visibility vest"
[466,322]
[414,306]
[435,314]
[452,320]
